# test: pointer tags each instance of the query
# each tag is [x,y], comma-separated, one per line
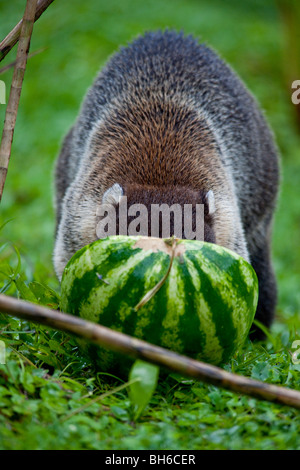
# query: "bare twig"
[12,64]
[148,296]
[12,38]
[15,91]
[135,348]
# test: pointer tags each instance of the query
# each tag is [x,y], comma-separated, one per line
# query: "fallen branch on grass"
[135,348]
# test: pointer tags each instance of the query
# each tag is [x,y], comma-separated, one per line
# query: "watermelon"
[192,297]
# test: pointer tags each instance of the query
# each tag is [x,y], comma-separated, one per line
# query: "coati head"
[134,209]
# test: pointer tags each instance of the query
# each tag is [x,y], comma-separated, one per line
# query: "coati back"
[168,121]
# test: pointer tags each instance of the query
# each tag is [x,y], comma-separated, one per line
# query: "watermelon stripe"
[204,309]
[107,296]
[153,312]
[211,347]
[234,283]
[175,308]
[221,311]
[189,325]
[137,280]
[78,270]
[82,288]
[145,315]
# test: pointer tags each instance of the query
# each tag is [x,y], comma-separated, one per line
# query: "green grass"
[47,391]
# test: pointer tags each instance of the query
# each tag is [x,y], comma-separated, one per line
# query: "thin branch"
[12,38]
[135,348]
[15,91]
[12,64]
[148,296]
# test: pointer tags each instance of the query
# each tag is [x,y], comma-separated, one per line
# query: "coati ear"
[210,200]
[112,195]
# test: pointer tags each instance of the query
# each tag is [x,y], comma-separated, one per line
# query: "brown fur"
[167,120]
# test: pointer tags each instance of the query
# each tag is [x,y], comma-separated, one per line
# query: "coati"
[166,120]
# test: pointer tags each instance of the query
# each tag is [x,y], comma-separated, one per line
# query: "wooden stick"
[12,38]
[12,64]
[135,348]
[15,91]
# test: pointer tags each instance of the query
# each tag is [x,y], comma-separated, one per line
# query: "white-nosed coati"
[167,121]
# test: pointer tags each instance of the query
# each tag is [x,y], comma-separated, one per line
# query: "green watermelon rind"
[204,309]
